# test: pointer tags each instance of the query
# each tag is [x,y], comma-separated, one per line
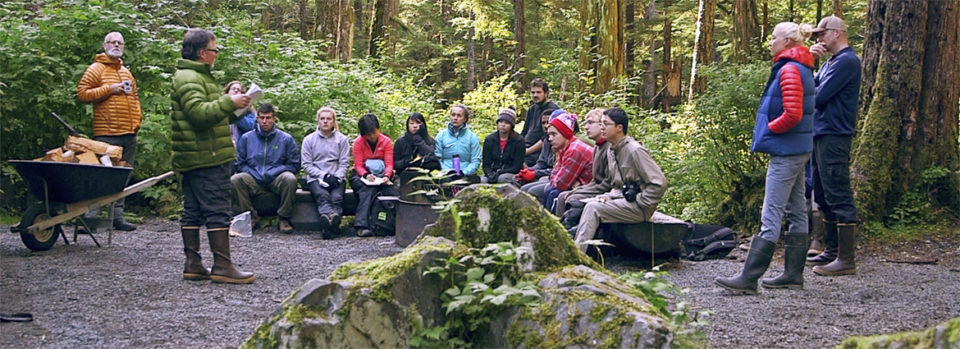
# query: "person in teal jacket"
[458,141]
[203,154]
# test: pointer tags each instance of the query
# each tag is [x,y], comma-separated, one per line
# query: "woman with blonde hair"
[784,129]
[325,157]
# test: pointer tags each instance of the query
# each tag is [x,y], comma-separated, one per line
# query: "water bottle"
[456,165]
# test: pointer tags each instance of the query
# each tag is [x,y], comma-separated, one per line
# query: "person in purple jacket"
[835,121]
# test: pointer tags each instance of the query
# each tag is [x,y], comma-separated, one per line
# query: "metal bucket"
[410,220]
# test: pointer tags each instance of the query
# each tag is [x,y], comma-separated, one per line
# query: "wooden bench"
[305,216]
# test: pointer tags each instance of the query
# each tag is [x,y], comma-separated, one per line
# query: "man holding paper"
[267,161]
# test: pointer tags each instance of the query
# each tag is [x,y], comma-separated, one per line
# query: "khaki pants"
[245,187]
[612,211]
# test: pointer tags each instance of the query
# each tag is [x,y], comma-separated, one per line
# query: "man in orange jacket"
[116,107]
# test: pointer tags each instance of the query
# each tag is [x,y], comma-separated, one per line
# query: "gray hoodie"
[321,155]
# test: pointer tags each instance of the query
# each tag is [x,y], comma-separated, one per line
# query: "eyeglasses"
[214,50]
[114,42]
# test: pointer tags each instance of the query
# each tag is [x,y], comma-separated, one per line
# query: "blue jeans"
[784,194]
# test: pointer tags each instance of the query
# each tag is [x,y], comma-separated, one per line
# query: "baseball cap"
[830,22]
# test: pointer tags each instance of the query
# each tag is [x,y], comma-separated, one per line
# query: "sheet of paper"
[254,92]
[375,181]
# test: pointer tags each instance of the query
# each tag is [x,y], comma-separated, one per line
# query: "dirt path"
[130,294]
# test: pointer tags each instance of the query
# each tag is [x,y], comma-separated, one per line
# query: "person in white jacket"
[324,156]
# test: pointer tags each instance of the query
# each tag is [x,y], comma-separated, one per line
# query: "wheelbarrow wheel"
[43,240]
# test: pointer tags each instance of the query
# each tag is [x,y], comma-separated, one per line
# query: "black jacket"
[510,160]
[406,148]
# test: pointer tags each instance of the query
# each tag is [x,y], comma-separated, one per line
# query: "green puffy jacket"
[201,119]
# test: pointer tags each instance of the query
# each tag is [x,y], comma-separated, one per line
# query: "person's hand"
[416,139]
[116,89]
[241,101]
[331,180]
[818,50]
[370,177]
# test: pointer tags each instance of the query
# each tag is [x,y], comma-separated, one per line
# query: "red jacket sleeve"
[791,90]
[387,156]
[359,156]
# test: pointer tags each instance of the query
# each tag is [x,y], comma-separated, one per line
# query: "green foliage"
[687,324]
[916,206]
[482,284]
[486,101]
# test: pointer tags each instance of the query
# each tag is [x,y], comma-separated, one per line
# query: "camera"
[630,191]
[127,86]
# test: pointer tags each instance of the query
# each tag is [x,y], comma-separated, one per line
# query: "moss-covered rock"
[942,336]
[389,302]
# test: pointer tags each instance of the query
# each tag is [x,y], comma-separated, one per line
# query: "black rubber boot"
[793,260]
[223,269]
[845,264]
[830,239]
[193,267]
[761,252]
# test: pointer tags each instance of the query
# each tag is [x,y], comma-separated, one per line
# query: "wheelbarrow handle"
[65,124]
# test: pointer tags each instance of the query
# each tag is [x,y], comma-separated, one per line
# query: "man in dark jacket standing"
[532,130]
[203,155]
[835,122]
[268,160]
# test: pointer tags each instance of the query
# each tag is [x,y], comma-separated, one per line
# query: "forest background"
[688,72]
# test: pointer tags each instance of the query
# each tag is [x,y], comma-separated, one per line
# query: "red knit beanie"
[564,122]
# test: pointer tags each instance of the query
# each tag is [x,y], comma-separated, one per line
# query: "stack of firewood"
[86,151]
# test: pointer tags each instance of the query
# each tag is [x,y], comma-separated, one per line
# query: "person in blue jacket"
[458,147]
[783,129]
[249,119]
[268,160]
[834,125]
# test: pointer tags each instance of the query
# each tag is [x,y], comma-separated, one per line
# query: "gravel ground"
[130,294]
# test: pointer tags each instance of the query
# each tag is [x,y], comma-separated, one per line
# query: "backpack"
[383,216]
[707,241]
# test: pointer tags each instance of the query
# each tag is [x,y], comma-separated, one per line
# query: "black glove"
[416,139]
[331,180]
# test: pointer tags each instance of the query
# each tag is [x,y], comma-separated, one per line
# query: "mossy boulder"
[388,302]
[943,336]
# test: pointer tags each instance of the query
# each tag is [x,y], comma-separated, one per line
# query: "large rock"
[384,303]
[942,336]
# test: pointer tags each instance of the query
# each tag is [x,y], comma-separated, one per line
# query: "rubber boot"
[223,269]
[193,267]
[816,235]
[761,252]
[793,260]
[119,223]
[845,264]
[830,240]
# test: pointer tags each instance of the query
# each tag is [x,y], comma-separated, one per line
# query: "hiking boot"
[285,226]
[193,269]
[793,260]
[845,264]
[364,232]
[830,250]
[121,224]
[761,252]
[223,270]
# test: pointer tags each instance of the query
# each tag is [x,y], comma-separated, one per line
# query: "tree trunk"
[703,46]
[603,47]
[630,35]
[471,60]
[745,30]
[909,114]
[650,64]
[383,31]
[838,8]
[302,19]
[484,57]
[519,35]
[344,31]
[765,26]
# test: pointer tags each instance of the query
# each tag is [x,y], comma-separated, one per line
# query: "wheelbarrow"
[68,190]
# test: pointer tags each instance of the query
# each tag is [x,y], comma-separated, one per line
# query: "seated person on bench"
[535,179]
[638,183]
[503,150]
[268,160]
[414,149]
[458,148]
[373,162]
[325,156]
[569,205]
[574,166]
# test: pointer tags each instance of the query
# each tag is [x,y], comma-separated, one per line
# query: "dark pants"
[206,197]
[831,178]
[365,196]
[549,195]
[129,144]
[328,200]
